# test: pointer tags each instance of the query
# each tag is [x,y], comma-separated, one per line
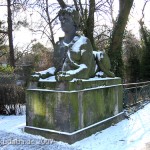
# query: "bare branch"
[4,32]
[24,51]
[50,25]
[61,3]
[76,5]
[3,54]
[81,8]
[143,9]
[3,5]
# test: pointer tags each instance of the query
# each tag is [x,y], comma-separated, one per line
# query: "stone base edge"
[71,138]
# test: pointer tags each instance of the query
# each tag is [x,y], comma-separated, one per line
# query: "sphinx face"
[67,23]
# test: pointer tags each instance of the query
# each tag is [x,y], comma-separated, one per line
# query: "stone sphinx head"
[68,17]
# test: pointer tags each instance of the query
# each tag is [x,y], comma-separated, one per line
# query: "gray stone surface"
[71,110]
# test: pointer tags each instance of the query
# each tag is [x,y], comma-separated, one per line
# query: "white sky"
[24,36]
[137,14]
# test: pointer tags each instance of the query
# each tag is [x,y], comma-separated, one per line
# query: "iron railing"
[135,93]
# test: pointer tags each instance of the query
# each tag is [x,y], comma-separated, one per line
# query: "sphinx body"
[73,54]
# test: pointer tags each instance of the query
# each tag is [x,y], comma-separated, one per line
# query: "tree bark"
[10,35]
[3,32]
[115,52]
[61,3]
[142,28]
[90,23]
[50,24]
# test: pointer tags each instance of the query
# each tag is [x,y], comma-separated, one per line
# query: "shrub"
[11,95]
[7,69]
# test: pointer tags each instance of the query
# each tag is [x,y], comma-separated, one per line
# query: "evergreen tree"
[3,47]
[131,57]
[145,64]
[115,52]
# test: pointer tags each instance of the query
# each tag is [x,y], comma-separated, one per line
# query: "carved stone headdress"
[73,12]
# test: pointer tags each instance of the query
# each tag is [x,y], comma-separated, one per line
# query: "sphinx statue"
[73,99]
[73,54]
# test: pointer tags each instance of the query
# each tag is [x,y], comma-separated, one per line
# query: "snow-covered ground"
[129,134]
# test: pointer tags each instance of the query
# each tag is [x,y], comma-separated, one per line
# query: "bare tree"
[10,34]
[48,19]
[145,38]
[117,36]
[61,3]
[141,22]
[87,11]
[11,4]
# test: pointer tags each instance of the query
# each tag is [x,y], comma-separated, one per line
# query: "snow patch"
[50,70]
[82,51]
[74,91]
[76,47]
[52,79]
[70,9]
[81,67]
[98,54]
[49,79]
[100,73]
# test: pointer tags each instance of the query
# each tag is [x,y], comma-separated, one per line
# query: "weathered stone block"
[72,106]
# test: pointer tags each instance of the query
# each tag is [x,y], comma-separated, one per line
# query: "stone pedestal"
[70,111]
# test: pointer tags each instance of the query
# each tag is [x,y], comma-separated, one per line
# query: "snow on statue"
[73,54]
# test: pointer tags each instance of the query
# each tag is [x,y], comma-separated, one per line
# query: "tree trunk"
[10,35]
[50,24]
[90,23]
[61,3]
[115,52]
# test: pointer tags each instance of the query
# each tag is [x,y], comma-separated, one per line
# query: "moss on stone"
[93,106]
[69,110]
[74,110]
